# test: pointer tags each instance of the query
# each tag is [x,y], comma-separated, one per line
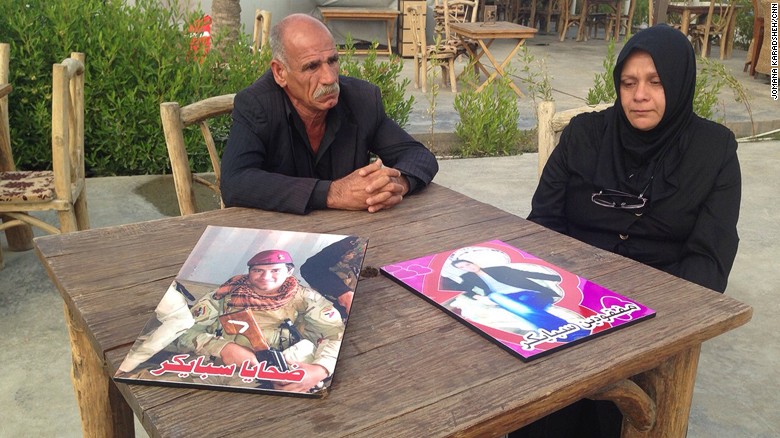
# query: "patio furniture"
[458,11]
[550,11]
[174,120]
[19,238]
[387,15]
[697,21]
[719,25]
[764,64]
[550,125]
[621,20]
[61,189]
[428,56]
[472,388]
[756,41]
[261,30]
[607,13]
[485,35]
[572,17]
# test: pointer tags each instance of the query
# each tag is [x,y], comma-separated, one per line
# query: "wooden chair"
[20,237]
[527,13]
[459,11]
[550,125]
[174,120]
[508,10]
[764,63]
[756,41]
[717,25]
[625,21]
[262,30]
[61,189]
[551,11]
[442,54]
[569,19]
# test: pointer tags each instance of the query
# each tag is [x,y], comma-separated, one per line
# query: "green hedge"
[136,58]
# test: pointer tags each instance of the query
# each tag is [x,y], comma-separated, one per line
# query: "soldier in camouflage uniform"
[273,295]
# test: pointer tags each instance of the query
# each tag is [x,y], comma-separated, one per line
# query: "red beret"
[270,257]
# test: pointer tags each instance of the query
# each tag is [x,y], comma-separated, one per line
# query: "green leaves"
[384,75]
[603,90]
[488,119]
[136,58]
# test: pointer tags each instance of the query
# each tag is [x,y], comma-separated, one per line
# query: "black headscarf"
[631,159]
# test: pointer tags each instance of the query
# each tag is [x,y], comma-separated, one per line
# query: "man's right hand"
[233,353]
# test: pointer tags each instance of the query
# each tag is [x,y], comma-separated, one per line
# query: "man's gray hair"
[277,44]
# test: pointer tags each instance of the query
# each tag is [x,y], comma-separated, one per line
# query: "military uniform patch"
[203,311]
[330,314]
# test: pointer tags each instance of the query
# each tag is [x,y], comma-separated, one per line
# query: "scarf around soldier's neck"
[632,160]
[243,296]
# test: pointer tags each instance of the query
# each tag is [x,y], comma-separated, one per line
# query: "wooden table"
[689,11]
[363,14]
[484,34]
[405,368]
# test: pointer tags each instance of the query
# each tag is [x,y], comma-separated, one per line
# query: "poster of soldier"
[522,303]
[252,310]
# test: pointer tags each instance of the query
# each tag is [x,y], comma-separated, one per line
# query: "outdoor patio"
[734,395]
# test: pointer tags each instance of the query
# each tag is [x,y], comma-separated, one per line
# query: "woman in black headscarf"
[648,179]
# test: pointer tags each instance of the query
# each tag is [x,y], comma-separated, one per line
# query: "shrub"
[603,83]
[488,119]
[384,75]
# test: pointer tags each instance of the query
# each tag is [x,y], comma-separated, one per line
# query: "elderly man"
[273,295]
[302,135]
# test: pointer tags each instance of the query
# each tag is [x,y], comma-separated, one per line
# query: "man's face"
[268,278]
[311,75]
[641,92]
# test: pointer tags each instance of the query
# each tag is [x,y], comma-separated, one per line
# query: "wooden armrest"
[5,89]
[634,403]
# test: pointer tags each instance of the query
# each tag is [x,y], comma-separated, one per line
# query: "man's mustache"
[326,90]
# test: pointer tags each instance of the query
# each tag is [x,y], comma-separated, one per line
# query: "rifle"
[243,323]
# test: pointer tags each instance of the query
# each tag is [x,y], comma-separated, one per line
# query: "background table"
[405,368]
[484,34]
[363,14]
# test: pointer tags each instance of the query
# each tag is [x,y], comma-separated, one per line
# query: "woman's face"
[641,92]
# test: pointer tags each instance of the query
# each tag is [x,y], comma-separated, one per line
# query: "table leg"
[500,67]
[671,386]
[475,57]
[389,29]
[104,412]
[685,21]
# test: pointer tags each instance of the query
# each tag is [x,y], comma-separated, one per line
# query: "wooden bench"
[363,14]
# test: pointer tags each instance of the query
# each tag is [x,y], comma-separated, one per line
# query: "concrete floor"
[736,392]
